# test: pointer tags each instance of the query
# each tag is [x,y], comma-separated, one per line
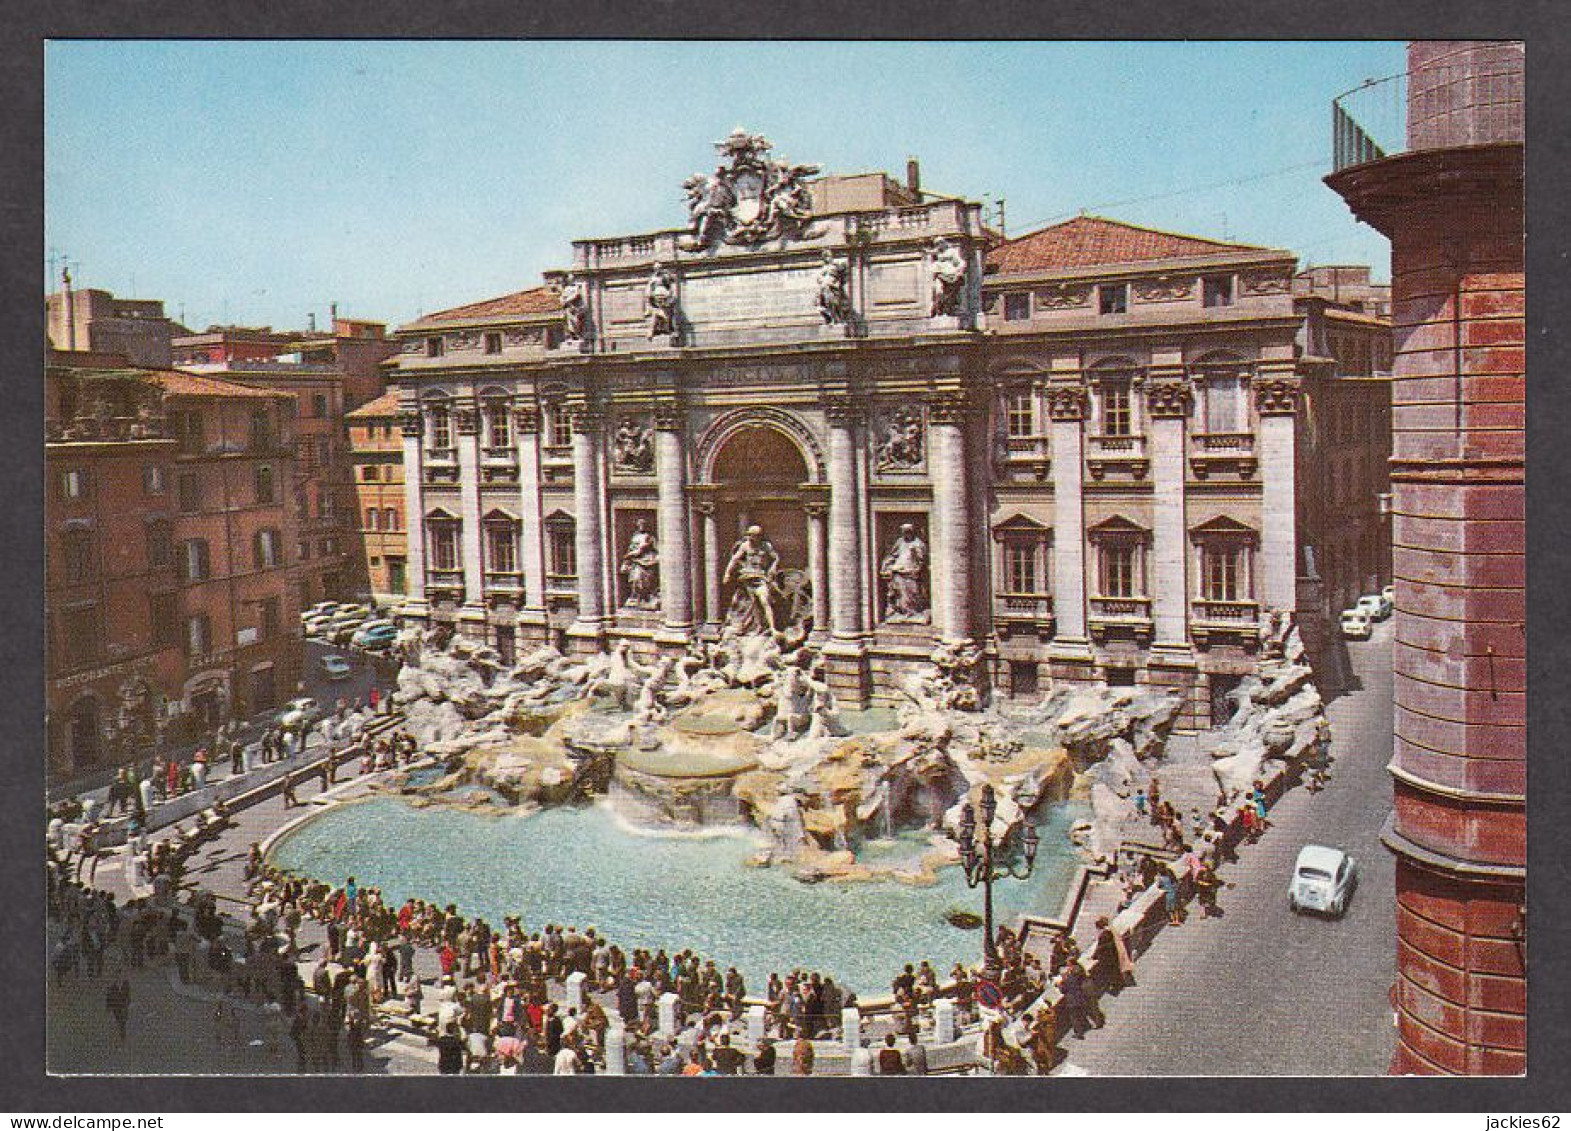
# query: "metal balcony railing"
[1476,101]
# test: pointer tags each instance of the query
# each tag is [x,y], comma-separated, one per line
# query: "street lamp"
[980,869]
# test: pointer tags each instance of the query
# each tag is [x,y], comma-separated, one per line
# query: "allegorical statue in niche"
[949,278]
[639,563]
[905,597]
[901,446]
[660,302]
[834,298]
[632,450]
[575,310]
[752,566]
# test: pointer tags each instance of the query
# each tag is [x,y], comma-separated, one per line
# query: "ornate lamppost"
[976,857]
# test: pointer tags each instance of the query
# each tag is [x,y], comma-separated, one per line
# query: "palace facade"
[1097,434]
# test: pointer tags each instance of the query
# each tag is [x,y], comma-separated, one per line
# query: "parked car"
[1323,880]
[317,624]
[298,713]
[375,635]
[1389,593]
[1355,624]
[342,633]
[335,667]
[323,608]
[1377,605]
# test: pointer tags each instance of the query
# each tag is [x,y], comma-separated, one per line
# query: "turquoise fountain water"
[671,890]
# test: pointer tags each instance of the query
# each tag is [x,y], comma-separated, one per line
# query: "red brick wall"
[1459,660]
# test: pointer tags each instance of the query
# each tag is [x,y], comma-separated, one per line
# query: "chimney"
[310,322]
[914,177]
[332,309]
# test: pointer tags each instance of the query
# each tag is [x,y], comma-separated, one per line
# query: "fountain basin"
[666,888]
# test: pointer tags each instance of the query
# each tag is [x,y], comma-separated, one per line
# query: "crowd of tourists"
[506,1000]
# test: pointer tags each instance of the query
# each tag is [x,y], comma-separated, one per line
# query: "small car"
[335,667]
[1323,880]
[1376,605]
[299,713]
[317,624]
[323,608]
[1389,593]
[375,635]
[1355,624]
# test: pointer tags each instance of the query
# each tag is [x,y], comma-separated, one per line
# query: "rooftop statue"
[749,198]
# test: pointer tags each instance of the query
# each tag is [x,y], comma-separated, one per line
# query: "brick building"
[1447,191]
[326,375]
[1093,431]
[85,320]
[233,530]
[168,598]
[320,491]
[112,648]
[376,452]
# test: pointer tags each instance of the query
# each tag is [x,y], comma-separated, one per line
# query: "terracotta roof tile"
[196,385]
[536,300]
[1089,241]
[384,405]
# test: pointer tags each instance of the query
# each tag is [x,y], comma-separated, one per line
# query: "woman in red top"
[447,956]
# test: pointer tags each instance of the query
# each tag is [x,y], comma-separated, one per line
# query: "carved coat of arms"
[749,198]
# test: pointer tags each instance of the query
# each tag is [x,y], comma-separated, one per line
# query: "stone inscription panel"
[895,283]
[763,296]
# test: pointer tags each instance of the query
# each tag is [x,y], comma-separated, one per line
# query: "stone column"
[712,610]
[951,529]
[1167,404]
[845,535]
[1276,401]
[818,564]
[1067,407]
[676,586]
[588,539]
[531,543]
[412,424]
[467,421]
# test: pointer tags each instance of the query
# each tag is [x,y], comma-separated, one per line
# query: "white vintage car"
[1323,880]
[1355,624]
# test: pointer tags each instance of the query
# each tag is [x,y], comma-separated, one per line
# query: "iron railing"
[1474,102]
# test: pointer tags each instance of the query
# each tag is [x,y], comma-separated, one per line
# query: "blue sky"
[253,182]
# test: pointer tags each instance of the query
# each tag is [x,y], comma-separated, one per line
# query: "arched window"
[195,564]
[390,518]
[160,544]
[501,543]
[80,554]
[264,484]
[1112,383]
[439,425]
[1224,390]
[561,550]
[1120,557]
[498,422]
[443,534]
[264,547]
[371,522]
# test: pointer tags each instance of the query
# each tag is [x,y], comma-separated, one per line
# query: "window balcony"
[504,582]
[1026,610]
[1121,616]
[1213,620]
[1125,455]
[1224,452]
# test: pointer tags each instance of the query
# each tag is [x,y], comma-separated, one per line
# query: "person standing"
[915,1056]
[802,1055]
[117,999]
[449,1051]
